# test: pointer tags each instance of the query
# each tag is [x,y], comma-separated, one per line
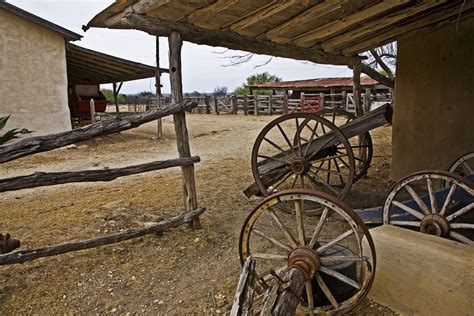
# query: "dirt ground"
[180,272]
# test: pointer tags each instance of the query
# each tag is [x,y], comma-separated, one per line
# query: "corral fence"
[269,104]
[106,126]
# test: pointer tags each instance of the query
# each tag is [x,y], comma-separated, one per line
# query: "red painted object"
[310,104]
[81,107]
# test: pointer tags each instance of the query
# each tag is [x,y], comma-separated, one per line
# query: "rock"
[113,310]
[197,239]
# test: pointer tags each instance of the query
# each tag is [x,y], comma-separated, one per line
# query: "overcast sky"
[202,67]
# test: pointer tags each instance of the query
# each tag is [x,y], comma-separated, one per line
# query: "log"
[39,144]
[182,138]
[318,147]
[39,179]
[287,301]
[243,298]
[21,256]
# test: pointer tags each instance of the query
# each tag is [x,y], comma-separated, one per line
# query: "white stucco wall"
[33,76]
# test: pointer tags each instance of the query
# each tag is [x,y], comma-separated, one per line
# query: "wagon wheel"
[332,242]
[464,166]
[363,149]
[433,202]
[282,157]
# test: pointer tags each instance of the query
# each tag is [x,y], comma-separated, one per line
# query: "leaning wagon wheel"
[361,145]
[464,166]
[433,202]
[331,243]
[302,150]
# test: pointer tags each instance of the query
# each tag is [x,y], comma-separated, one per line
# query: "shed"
[435,66]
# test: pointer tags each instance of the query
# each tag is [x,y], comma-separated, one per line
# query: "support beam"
[159,122]
[33,145]
[40,179]
[116,91]
[182,138]
[194,34]
[357,89]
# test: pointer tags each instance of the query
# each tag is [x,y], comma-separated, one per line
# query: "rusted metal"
[8,244]
[306,260]
[435,224]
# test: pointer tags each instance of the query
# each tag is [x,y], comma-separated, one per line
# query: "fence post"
[245,105]
[321,100]
[208,105]
[270,104]
[367,100]
[255,100]
[216,105]
[234,104]
[285,102]
[344,99]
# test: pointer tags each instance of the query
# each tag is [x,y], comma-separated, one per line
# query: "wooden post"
[208,104]
[344,99]
[357,89]
[367,100]
[115,92]
[182,139]
[321,100]
[159,122]
[270,104]
[216,105]
[285,102]
[92,109]
[255,104]
[245,105]
[233,100]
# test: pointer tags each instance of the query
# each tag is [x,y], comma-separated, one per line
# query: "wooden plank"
[314,36]
[374,26]
[182,138]
[357,89]
[245,105]
[159,122]
[39,144]
[243,298]
[21,256]
[198,35]
[39,179]
[446,14]
[276,34]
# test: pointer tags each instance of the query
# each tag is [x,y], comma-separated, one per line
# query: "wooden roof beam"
[436,19]
[198,35]
[302,18]
[314,36]
[374,26]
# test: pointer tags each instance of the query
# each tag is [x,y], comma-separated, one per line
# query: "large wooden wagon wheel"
[361,145]
[433,202]
[302,150]
[464,166]
[331,243]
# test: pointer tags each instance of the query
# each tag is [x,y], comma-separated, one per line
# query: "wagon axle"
[435,224]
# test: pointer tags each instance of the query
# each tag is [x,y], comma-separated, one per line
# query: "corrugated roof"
[86,66]
[68,35]
[317,83]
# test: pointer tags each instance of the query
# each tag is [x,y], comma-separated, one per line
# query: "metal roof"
[68,35]
[322,31]
[85,66]
[317,83]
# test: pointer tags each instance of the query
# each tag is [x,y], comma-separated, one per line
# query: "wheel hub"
[299,166]
[306,260]
[435,224]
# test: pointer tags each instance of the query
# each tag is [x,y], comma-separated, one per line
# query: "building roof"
[322,31]
[85,66]
[318,83]
[68,35]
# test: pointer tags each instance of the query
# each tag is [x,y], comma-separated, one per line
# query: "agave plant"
[8,135]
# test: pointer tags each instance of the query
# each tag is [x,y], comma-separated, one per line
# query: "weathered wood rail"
[39,144]
[39,179]
[21,256]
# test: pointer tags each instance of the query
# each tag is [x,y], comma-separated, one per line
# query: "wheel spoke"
[299,221]
[461,238]
[300,152]
[329,173]
[408,209]
[469,169]
[434,206]
[322,182]
[345,163]
[286,139]
[281,181]
[406,223]
[460,212]
[294,182]
[283,229]
[313,133]
[269,256]
[448,199]
[278,147]
[338,172]
[326,290]
[461,225]
[334,241]
[417,199]
[271,239]
[318,228]
[309,295]
[339,276]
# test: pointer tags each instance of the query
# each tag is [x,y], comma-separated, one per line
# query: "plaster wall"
[433,121]
[33,76]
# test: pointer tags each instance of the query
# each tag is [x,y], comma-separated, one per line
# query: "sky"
[203,66]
